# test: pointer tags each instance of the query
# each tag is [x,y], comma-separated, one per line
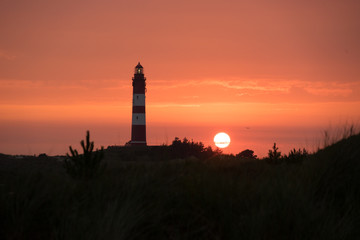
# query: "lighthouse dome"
[139,65]
[139,69]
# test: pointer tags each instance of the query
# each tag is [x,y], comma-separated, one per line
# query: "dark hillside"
[336,172]
[219,197]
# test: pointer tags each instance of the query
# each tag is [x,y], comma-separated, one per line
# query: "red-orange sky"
[262,71]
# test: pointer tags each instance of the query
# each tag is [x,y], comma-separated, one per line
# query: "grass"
[218,198]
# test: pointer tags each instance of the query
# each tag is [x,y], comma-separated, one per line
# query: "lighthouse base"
[138,143]
[138,135]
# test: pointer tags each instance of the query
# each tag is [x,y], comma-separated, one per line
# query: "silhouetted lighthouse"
[138,128]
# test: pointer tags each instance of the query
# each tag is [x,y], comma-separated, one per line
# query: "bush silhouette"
[249,154]
[87,165]
[186,148]
[296,156]
[274,156]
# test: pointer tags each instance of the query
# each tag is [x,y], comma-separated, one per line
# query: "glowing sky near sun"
[261,71]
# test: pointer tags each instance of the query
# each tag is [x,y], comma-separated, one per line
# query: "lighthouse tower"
[138,128]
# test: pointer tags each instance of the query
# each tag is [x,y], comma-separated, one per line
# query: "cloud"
[243,94]
[265,86]
[57,92]
[6,55]
[250,85]
[231,84]
[253,90]
[174,105]
[332,88]
[190,97]
[81,84]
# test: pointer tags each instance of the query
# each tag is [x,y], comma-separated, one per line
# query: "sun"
[222,140]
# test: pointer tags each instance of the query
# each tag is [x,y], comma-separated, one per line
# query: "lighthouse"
[138,127]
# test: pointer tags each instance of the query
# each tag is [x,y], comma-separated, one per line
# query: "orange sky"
[262,71]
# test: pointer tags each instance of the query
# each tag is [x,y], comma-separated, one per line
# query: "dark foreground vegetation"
[206,196]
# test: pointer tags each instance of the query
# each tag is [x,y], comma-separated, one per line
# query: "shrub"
[87,165]
[186,148]
[249,154]
[296,156]
[274,156]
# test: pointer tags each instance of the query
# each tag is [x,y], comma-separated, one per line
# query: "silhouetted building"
[138,128]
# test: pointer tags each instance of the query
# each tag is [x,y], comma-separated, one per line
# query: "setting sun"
[222,140]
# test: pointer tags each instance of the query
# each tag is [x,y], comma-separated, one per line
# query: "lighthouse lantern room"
[138,127]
